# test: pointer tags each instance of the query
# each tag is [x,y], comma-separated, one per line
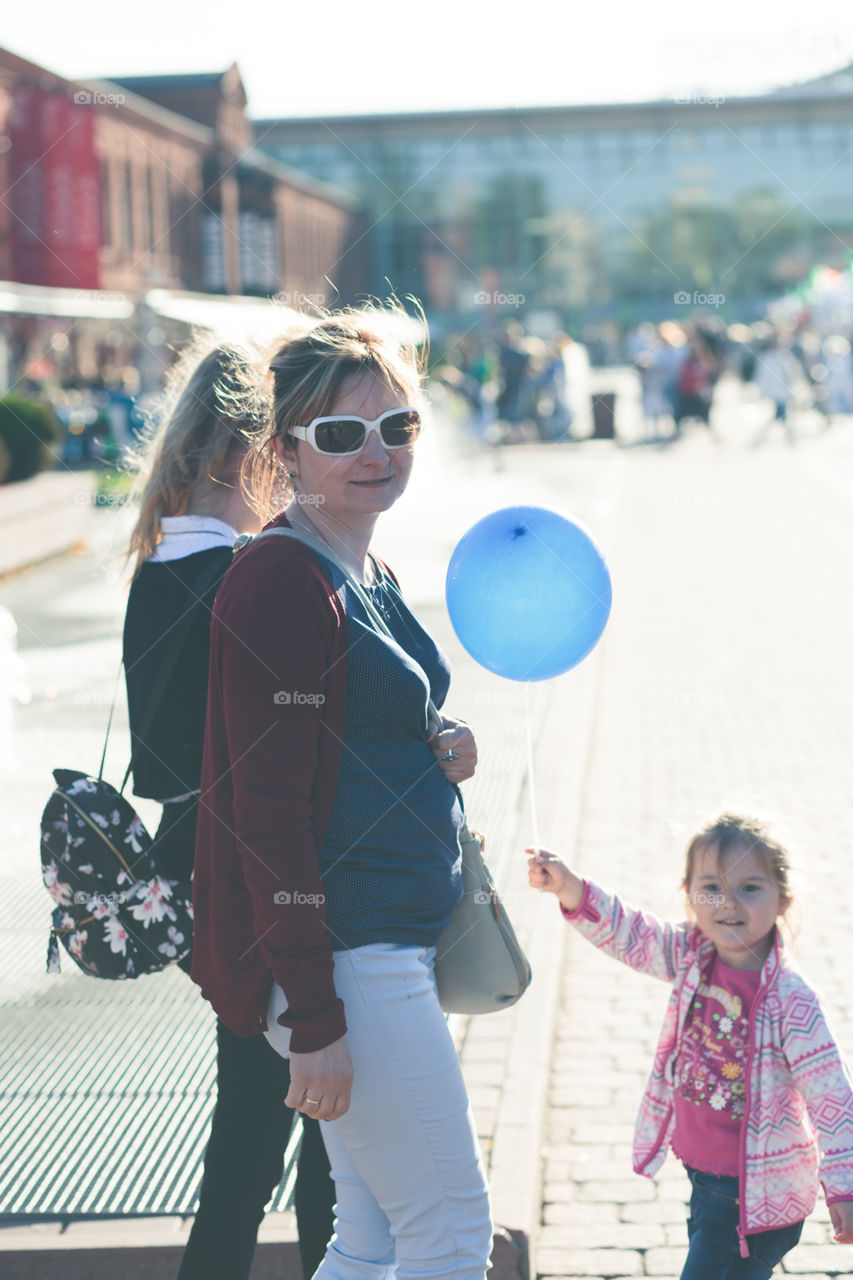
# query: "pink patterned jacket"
[798,1118]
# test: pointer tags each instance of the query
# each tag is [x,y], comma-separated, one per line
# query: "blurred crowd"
[679,368]
[515,385]
[98,422]
[518,386]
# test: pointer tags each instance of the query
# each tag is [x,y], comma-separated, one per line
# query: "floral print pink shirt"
[710,1070]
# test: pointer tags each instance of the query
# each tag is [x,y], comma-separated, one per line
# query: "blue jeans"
[714,1252]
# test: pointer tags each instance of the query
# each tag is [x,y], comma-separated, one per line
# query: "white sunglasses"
[347,433]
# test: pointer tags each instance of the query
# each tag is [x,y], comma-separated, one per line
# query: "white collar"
[185,535]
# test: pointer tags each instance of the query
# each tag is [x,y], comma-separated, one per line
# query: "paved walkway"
[725,679]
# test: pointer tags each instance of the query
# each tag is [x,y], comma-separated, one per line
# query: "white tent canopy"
[39,300]
[255,319]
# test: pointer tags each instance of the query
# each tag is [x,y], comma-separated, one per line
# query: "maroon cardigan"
[275,720]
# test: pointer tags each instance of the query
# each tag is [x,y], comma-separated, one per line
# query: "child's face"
[736,902]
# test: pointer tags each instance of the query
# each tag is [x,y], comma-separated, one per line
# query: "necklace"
[375,588]
[315,533]
[379,598]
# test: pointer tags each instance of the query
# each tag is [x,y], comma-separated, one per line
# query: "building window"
[107,237]
[126,198]
[184,234]
[143,211]
[151,207]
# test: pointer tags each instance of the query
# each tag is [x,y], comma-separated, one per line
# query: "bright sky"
[334,57]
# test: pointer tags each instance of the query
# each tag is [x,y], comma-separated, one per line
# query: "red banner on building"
[54,189]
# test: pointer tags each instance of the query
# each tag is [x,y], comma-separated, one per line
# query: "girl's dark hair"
[732,831]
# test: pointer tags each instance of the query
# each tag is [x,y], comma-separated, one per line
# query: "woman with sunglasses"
[191,507]
[328,861]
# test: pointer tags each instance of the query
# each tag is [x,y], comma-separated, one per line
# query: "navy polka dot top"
[390,861]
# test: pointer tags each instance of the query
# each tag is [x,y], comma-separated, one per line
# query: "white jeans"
[412,1200]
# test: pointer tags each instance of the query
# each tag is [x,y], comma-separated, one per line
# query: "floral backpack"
[115,914]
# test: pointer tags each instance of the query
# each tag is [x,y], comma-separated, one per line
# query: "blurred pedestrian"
[839,374]
[776,373]
[639,340]
[191,508]
[464,374]
[695,385]
[658,369]
[553,415]
[474,367]
[513,367]
[578,384]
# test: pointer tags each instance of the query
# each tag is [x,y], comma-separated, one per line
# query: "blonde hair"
[216,399]
[307,368]
[735,831]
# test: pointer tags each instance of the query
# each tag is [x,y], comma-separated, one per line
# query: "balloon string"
[531,786]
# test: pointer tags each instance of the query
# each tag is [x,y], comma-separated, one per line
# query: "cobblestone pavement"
[724,679]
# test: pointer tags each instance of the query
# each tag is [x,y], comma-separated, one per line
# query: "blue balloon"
[528,592]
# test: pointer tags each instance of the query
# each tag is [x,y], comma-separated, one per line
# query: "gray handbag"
[479,964]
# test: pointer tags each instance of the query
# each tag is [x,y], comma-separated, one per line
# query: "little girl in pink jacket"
[748,1087]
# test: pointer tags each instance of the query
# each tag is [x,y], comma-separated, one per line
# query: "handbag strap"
[180,631]
[326,553]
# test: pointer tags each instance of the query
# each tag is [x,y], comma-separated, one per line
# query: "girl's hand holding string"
[545,871]
[841,1214]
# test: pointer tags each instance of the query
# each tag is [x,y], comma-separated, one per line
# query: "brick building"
[124,206]
[154,182]
[262,227]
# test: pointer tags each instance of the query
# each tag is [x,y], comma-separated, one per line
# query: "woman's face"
[365,483]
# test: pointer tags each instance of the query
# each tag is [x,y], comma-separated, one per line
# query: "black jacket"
[168,763]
